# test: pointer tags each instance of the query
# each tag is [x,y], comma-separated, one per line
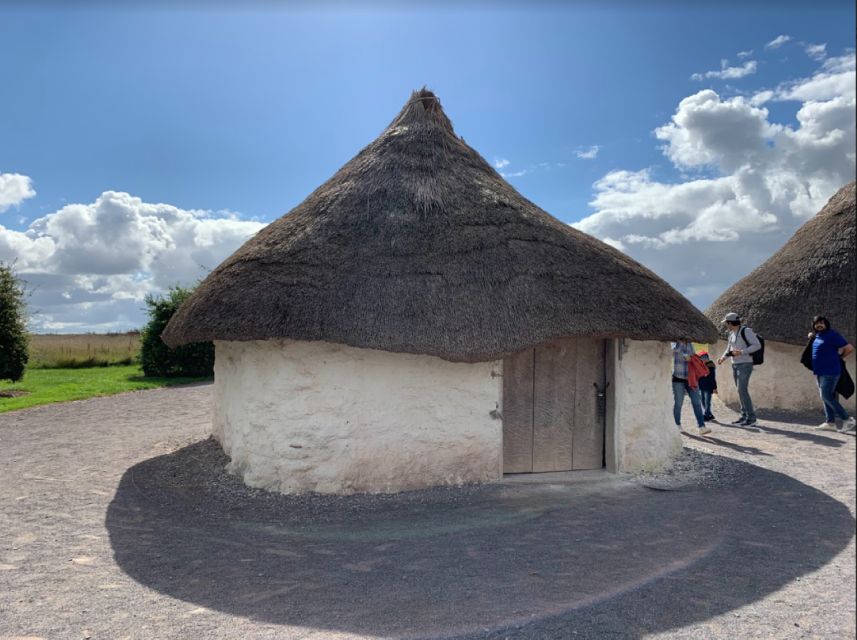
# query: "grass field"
[45,386]
[67,351]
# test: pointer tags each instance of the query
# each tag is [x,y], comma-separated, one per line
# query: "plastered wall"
[782,382]
[314,416]
[644,433]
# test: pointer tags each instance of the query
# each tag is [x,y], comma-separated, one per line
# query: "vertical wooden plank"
[589,418]
[553,405]
[518,412]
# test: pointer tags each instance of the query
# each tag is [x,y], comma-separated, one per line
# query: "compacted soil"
[117,520]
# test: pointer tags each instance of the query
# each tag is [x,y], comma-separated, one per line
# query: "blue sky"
[187,128]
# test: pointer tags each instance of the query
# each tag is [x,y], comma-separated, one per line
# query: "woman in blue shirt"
[828,346]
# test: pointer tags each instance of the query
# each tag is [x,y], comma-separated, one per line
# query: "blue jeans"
[706,402]
[741,374]
[679,389]
[827,389]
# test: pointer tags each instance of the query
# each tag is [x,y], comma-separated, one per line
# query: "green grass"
[46,386]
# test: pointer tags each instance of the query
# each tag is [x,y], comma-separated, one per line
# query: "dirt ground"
[117,521]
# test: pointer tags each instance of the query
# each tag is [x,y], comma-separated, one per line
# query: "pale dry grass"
[86,349]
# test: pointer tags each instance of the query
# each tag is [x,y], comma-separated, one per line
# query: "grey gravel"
[118,520]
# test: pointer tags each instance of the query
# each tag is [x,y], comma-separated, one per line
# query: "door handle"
[601,399]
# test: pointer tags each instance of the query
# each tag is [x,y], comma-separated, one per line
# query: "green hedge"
[156,358]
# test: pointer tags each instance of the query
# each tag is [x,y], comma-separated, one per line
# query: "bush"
[157,359]
[14,352]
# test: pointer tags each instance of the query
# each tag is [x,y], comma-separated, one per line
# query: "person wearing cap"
[741,345]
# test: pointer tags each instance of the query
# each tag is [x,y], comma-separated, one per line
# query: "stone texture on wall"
[782,382]
[314,416]
[645,434]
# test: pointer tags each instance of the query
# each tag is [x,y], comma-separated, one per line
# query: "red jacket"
[696,369]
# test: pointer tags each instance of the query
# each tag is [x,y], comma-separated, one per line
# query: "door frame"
[613,348]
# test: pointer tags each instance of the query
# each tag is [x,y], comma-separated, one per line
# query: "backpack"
[758,356]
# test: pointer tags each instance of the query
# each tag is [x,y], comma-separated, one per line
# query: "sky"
[141,144]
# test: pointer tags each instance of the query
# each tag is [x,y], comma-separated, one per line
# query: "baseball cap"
[732,317]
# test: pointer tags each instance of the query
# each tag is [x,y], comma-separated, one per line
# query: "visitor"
[740,346]
[681,380]
[828,350]
[707,385]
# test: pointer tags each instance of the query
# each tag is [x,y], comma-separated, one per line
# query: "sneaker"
[740,420]
[850,426]
[709,418]
[703,430]
[749,423]
[826,426]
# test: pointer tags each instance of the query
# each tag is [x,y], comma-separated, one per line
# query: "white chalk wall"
[315,416]
[781,382]
[645,435]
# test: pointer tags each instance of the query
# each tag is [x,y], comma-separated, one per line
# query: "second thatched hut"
[813,273]
[416,321]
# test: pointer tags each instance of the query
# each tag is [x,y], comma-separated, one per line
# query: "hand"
[737,352]
[714,392]
[720,360]
[810,335]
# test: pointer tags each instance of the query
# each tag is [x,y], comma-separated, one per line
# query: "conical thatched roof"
[814,273]
[418,245]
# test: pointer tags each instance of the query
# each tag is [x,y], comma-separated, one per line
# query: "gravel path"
[117,521]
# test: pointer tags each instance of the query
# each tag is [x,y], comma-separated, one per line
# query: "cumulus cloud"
[728,73]
[745,54]
[14,189]
[499,163]
[757,181]
[588,154]
[92,264]
[777,42]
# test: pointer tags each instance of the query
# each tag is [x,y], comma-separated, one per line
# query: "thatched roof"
[814,273]
[418,245]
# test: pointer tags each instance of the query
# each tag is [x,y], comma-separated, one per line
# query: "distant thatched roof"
[814,273]
[418,245]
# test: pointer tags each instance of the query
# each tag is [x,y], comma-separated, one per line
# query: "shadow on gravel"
[602,558]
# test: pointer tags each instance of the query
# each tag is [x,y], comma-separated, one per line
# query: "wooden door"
[552,420]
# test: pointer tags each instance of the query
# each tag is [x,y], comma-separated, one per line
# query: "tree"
[195,359]
[14,352]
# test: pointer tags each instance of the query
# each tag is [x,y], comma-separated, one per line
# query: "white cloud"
[499,163]
[88,262]
[14,189]
[777,42]
[816,51]
[588,154]
[760,98]
[836,78]
[708,131]
[705,233]
[516,174]
[745,54]
[728,73]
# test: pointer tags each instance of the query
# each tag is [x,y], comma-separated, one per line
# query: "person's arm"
[842,345]
[753,343]
[726,352]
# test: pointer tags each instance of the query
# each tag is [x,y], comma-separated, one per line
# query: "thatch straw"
[418,245]
[814,273]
